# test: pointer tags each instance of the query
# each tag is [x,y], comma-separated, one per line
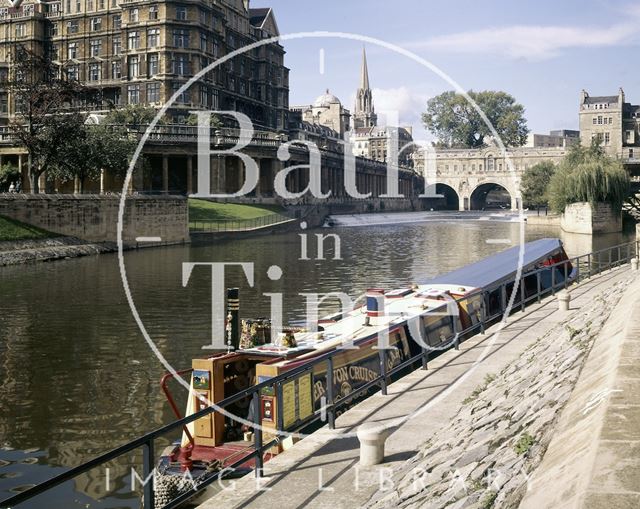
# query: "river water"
[77,377]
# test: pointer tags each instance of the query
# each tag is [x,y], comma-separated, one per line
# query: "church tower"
[364,115]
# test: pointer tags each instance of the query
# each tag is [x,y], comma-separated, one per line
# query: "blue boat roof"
[500,266]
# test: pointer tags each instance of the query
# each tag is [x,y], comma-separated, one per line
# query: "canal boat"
[427,317]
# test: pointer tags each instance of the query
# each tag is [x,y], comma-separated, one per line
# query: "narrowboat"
[430,316]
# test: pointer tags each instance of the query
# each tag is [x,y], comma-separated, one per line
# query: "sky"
[541,52]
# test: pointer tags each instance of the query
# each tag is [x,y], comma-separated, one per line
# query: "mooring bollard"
[563,300]
[372,436]
[634,264]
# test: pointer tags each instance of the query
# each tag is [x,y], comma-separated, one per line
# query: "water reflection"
[77,378]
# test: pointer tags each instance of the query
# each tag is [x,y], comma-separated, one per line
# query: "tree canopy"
[587,174]
[534,183]
[46,110]
[456,123]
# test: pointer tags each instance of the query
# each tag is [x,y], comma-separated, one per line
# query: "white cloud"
[531,42]
[408,104]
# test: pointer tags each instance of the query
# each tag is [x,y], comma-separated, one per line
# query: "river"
[77,377]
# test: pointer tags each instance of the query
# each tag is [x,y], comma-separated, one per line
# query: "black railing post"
[483,313]
[566,274]
[331,416]
[280,401]
[589,265]
[257,431]
[578,269]
[503,298]
[383,371]
[553,280]
[425,358]
[538,289]
[148,466]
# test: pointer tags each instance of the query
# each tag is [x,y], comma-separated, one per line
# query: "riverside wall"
[585,218]
[95,217]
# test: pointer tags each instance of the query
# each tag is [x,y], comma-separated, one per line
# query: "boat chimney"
[375,303]
[233,309]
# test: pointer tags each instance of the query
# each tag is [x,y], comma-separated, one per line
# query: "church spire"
[364,114]
[364,72]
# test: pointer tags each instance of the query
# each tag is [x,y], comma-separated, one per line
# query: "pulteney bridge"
[475,179]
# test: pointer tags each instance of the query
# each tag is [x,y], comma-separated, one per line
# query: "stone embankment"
[487,454]
[56,248]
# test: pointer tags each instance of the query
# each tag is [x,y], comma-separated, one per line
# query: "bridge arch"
[491,195]
[451,198]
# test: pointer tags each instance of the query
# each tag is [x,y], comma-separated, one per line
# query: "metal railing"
[584,267]
[237,225]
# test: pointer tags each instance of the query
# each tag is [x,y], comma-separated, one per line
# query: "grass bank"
[10,230]
[203,210]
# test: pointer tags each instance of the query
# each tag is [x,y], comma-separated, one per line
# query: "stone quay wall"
[486,456]
[95,217]
[583,218]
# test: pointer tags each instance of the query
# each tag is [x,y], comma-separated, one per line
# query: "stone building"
[615,123]
[142,52]
[327,111]
[559,138]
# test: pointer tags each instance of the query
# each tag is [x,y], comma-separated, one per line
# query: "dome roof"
[325,100]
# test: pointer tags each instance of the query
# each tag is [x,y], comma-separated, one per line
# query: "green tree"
[132,115]
[456,123]
[46,105]
[535,182]
[586,174]
[8,173]
[214,120]
[97,148]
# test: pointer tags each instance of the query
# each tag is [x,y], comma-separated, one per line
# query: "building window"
[184,97]
[73,73]
[152,64]
[628,136]
[53,30]
[134,67]
[72,27]
[116,70]
[96,47]
[599,120]
[94,72]
[116,46]
[595,120]
[72,50]
[153,92]
[630,153]
[181,13]
[607,138]
[203,41]
[181,38]
[180,64]
[117,22]
[153,12]
[153,37]
[96,24]
[102,4]
[21,30]
[133,94]
[133,15]
[134,40]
